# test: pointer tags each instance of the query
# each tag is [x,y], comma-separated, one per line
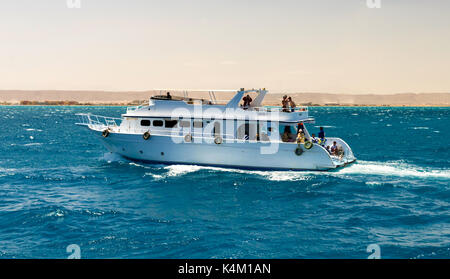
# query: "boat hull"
[245,155]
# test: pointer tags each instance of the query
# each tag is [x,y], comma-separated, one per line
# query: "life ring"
[218,140]
[188,138]
[146,135]
[105,133]
[308,145]
[298,151]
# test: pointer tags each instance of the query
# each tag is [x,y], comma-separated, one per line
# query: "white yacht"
[182,130]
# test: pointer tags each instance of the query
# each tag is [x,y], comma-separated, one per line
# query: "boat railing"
[280,109]
[135,108]
[97,122]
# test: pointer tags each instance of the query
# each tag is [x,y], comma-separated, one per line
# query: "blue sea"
[59,186]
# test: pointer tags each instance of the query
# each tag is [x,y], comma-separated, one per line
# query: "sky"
[333,46]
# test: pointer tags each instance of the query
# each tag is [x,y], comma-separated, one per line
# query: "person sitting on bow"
[301,138]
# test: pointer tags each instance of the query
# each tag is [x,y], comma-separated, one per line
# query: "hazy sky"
[337,46]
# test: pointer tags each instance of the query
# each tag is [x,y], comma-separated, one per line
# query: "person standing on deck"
[322,135]
[284,104]
[291,104]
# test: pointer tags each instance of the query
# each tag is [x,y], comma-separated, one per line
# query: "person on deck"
[301,137]
[284,104]
[334,149]
[300,128]
[287,135]
[314,139]
[169,97]
[291,104]
[247,101]
[322,135]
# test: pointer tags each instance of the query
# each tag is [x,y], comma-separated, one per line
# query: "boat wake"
[366,168]
[394,169]
[389,169]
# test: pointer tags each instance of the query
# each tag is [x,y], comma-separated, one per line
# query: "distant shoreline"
[104,98]
[128,105]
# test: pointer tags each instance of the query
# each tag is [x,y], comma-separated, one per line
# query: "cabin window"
[185,124]
[145,123]
[158,123]
[265,128]
[216,130]
[287,133]
[247,131]
[171,123]
[198,124]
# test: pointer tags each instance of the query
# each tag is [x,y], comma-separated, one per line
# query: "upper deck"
[185,107]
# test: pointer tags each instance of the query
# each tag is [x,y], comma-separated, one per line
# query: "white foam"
[33,144]
[396,169]
[139,165]
[179,170]
[393,169]
[373,183]
[388,169]
[112,157]
[286,175]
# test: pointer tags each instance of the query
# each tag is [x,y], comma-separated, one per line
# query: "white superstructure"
[182,130]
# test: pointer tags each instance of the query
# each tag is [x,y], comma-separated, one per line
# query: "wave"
[398,169]
[112,158]
[420,128]
[385,169]
[33,144]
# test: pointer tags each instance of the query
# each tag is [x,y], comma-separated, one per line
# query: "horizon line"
[214,90]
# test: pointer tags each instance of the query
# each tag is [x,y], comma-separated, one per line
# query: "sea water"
[59,186]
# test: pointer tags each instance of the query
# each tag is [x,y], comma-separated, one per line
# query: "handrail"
[279,108]
[134,108]
[91,120]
